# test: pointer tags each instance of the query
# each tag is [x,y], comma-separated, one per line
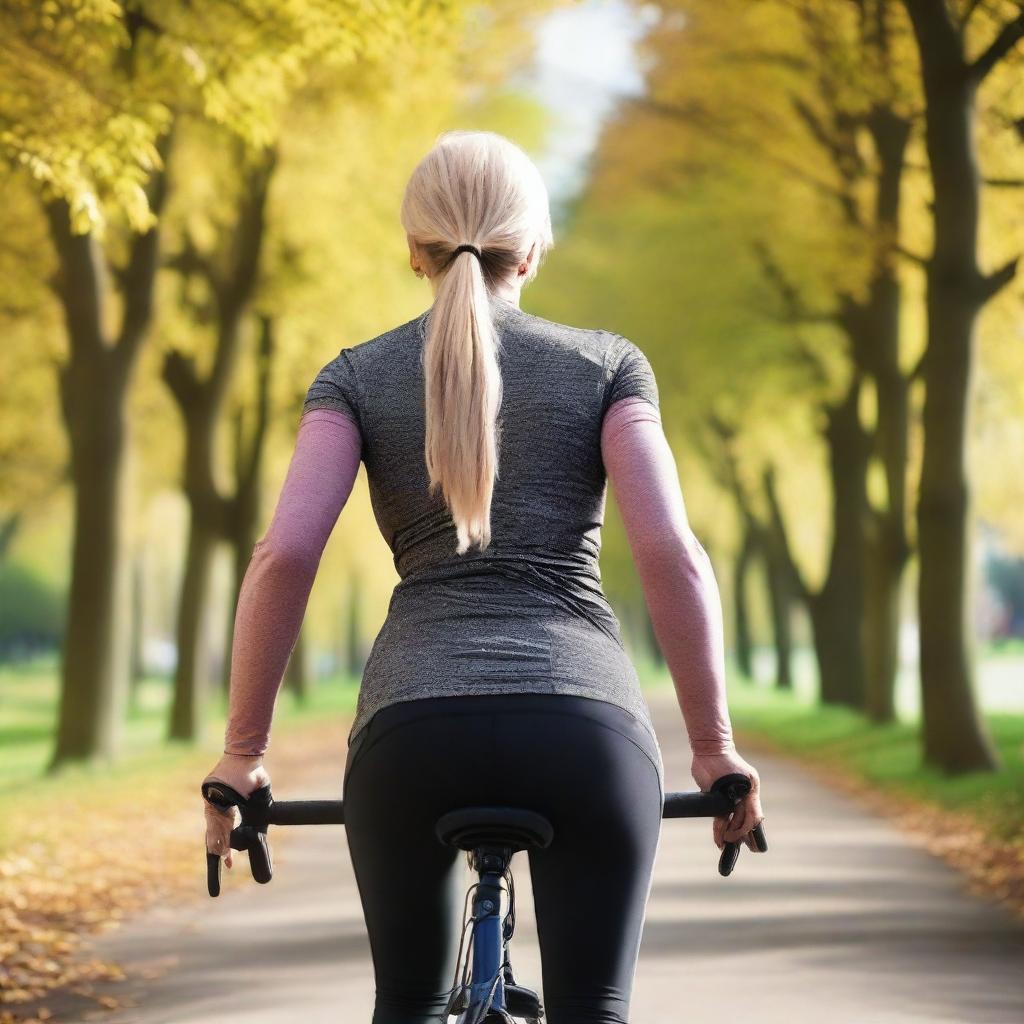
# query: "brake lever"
[735,787]
[250,836]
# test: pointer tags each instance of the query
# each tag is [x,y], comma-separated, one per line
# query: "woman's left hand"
[244,773]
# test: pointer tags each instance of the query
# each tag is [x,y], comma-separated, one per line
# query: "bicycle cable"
[495,980]
[468,920]
[511,915]
[467,963]
[456,984]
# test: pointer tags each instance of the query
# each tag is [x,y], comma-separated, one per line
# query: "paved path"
[843,921]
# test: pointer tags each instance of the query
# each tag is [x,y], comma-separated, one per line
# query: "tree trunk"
[840,602]
[244,509]
[8,531]
[873,551]
[243,529]
[953,733]
[955,739]
[242,543]
[201,403]
[757,539]
[836,609]
[887,547]
[191,683]
[881,631]
[355,654]
[94,385]
[878,353]
[137,659]
[741,570]
[200,406]
[780,598]
[297,674]
[94,684]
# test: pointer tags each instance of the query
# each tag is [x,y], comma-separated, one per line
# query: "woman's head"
[472,188]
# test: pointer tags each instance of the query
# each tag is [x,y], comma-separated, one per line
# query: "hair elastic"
[466,247]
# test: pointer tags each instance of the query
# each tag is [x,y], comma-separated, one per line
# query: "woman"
[499,675]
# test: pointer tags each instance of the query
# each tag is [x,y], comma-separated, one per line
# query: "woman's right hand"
[737,826]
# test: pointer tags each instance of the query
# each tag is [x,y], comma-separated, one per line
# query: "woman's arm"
[275,591]
[676,574]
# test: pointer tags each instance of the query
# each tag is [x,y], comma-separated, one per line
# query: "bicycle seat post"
[491,835]
[490,863]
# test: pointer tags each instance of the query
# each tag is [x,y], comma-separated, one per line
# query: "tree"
[229,276]
[860,93]
[249,443]
[761,168]
[88,94]
[33,459]
[955,739]
[223,279]
[94,385]
[759,540]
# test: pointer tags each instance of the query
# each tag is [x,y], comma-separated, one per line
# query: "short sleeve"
[630,374]
[336,387]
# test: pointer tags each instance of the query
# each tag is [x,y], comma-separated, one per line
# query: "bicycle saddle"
[470,827]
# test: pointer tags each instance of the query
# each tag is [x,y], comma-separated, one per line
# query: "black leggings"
[589,766]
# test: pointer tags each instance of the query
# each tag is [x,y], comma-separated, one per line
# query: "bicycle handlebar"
[260,810]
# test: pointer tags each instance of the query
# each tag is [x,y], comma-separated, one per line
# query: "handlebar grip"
[727,861]
[760,840]
[213,873]
[259,858]
[250,836]
[736,787]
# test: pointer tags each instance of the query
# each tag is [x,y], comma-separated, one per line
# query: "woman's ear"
[414,259]
[524,268]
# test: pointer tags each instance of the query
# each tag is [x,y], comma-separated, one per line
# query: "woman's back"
[527,613]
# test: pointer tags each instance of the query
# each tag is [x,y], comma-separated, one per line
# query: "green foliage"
[70,110]
[88,87]
[30,699]
[31,611]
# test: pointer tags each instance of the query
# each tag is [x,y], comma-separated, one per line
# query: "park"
[807,214]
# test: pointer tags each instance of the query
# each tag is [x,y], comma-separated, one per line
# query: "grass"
[28,704]
[887,757]
[1012,647]
[890,757]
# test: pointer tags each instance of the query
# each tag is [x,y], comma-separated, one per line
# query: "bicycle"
[487,992]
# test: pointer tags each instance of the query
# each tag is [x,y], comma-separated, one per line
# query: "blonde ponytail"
[463,397]
[472,189]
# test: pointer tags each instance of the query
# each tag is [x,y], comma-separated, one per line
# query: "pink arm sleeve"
[675,572]
[275,591]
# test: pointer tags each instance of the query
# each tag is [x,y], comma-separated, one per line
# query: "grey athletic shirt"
[528,615]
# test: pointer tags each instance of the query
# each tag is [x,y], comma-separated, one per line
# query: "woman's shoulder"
[383,345]
[340,384]
[600,347]
[598,337]
[614,352]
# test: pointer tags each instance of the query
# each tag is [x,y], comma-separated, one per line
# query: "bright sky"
[585,60]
